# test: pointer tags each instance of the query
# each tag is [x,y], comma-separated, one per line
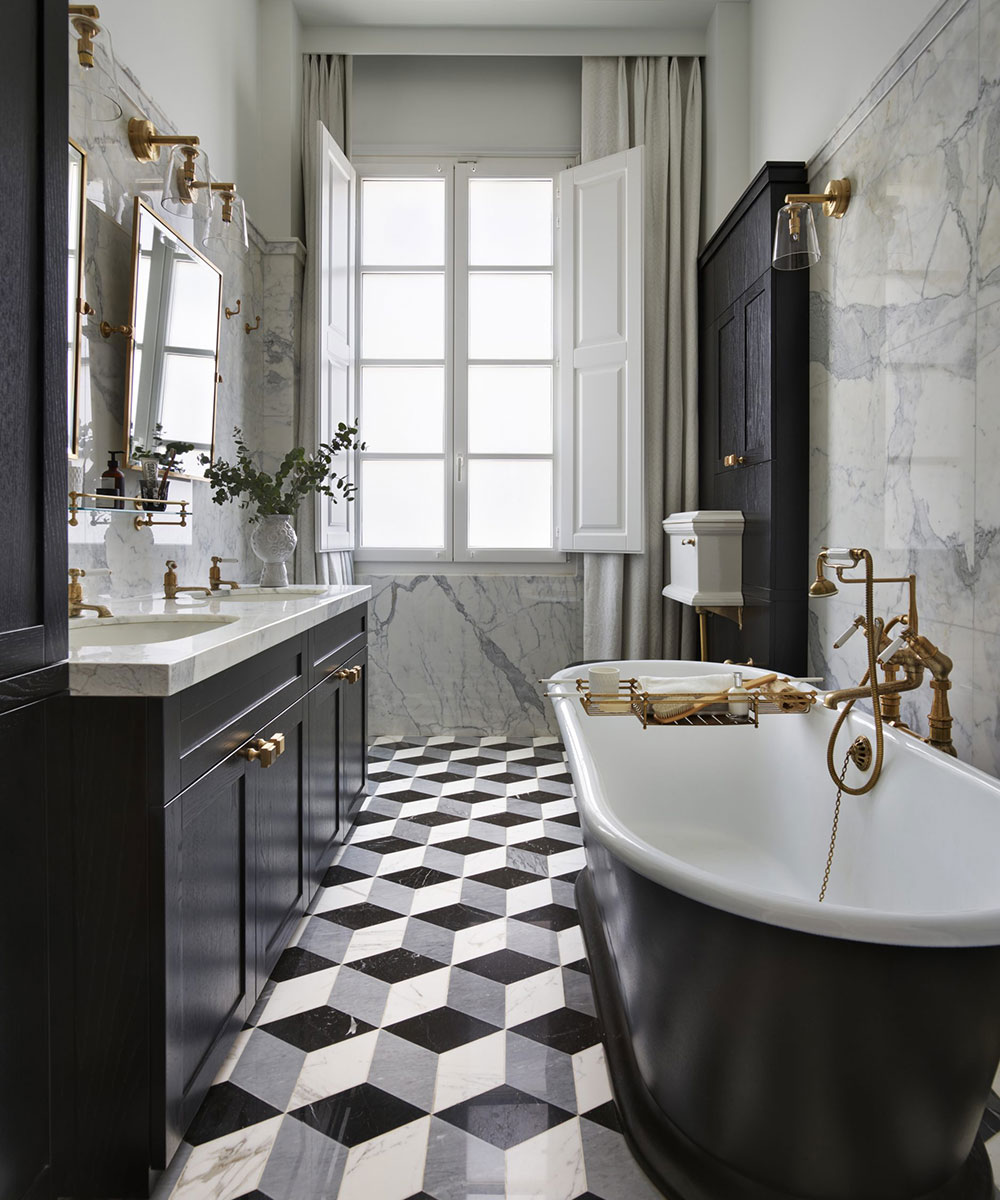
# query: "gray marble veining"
[905,351]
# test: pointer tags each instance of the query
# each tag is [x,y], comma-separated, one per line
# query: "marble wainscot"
[163,668]
[904,336]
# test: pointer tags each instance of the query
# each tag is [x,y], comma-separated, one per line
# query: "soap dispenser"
[739,699]
[113,480]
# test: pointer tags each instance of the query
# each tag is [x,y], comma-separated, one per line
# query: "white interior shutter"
[600,405]
[334,240]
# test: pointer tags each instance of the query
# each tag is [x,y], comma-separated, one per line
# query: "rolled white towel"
[697,685]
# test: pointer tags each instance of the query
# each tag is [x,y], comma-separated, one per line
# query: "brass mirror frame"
[138,207]
[73,383]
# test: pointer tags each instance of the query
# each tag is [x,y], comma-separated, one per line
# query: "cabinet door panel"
[354,738]
[209,956]
[729,381]
[279,895]
[757,383]
[324,775]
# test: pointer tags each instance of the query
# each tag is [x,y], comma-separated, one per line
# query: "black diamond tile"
[225,1109]
[419,877]
[296,961]
[505,966]
[570,876]
[533,761]
[474,796]
[386,776]
[504,1116]
[989,1125]
[393,966]
[357,1115]
[580,965]
[506,877]
[540,797]
[317,1028]
[423,759]
[434,818]
[507,745]
[465,845]
[565,777]
[549,916]
[545,845]
[450,746]
[420,1196]
[256,1194]
[408,794]
[456,916]
[477,761]
[360,916]
[567,819]
[605,1114]
[511,776]
[442,1029]
[443,777]
[506,819]
[395,747]
[388,845]
[335,876]
[564,1029]
[368,817]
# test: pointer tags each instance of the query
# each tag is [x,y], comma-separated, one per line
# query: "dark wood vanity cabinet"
[754,420]
[196,855]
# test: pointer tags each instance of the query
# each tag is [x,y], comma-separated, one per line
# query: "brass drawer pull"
[351,674]
[734,460]
[261,750]
[279,744]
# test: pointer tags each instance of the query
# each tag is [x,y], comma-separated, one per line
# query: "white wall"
[430,104]
[812,63]
[727,163]
[197,60]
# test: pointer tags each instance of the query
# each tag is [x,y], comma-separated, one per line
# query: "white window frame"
[457,172]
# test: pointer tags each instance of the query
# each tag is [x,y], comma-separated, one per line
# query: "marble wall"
[259,370]
[905,361]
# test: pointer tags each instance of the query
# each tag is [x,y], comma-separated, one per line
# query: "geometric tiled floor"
[431,1035]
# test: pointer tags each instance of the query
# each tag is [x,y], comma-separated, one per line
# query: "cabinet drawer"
[333,642]
[213,718]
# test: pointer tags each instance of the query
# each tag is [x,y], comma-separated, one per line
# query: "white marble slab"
[163,668]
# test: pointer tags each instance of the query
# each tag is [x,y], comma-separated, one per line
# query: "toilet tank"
[705,551]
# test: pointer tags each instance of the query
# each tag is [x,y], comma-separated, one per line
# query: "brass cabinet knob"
[689,542]
[734,460]
[261,750]
[279,744]
[351,674]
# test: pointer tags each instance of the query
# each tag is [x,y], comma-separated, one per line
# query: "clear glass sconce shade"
[184,196]
[92,68]
[227,229]
[795,242]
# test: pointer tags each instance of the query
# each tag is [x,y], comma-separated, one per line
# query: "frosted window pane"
[510,316]
[402,222]
[510,410]
[510,505]
[510,222]
[194,306]
[402,316]
[402,503]
[186,408]
[402,409]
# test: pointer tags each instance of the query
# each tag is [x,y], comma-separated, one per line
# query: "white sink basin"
[253,594]
[138,631]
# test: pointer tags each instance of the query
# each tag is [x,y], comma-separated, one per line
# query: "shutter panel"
[334,240]
[601,393]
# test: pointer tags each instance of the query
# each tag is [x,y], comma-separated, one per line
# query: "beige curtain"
[326,97]
[655,102]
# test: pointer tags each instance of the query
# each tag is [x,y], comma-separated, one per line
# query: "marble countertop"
[163,668]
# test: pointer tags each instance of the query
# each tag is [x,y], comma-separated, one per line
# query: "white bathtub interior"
[741,817]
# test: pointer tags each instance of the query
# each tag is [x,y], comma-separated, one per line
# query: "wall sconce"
[92,69]
[795,242]
[227,227]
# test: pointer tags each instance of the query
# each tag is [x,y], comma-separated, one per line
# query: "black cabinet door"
[209,943]
[24,994]
[354,736]
[278,792]
[740,378]
[323,828]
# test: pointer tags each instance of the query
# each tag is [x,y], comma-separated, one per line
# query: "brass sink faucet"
[74,595]
[170,588]
[910,653]
[215,580]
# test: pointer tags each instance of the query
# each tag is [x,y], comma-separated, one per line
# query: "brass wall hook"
[234,312]
[107,329]
[84,308]
[250,328]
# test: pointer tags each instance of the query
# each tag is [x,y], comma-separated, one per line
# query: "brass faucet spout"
[76,607]
[913,680]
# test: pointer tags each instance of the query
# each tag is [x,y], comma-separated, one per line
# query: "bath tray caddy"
[778,695]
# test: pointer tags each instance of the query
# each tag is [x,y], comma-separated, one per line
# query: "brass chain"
[836,821]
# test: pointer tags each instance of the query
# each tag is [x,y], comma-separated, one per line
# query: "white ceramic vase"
[273,541]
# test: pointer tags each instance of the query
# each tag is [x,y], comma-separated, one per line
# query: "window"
[456,365]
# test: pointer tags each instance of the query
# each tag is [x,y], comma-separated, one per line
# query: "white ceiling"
[621,15]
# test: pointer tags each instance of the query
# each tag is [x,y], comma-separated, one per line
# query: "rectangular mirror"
[74,292]
[172,370]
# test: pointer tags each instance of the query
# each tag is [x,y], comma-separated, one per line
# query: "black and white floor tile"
[431,1034]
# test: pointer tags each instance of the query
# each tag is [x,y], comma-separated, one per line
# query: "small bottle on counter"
[739,698]
[113,482]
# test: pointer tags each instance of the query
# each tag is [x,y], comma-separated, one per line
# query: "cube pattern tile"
[432,1034]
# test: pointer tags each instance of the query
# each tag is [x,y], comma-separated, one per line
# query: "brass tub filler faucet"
[908,653]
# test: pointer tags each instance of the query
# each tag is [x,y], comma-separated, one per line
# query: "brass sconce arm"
[835,199]
[145,142]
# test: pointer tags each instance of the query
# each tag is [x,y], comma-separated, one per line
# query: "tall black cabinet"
[33,638]
[754,420]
